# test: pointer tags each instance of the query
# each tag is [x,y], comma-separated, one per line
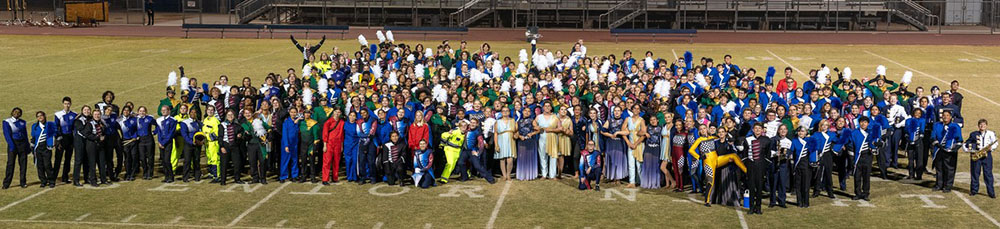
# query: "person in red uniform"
[333,136]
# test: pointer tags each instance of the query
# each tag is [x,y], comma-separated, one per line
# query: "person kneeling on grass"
[590,167]
[423,166]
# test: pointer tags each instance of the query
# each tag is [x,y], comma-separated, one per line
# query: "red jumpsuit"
[333,137]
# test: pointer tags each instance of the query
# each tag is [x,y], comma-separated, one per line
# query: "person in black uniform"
[80,125]
[307,50]
[758,147]
[230,132]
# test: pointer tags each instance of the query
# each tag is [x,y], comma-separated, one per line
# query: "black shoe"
[867,199]
[239,182]
[830,195]
[947,190]
[771,205]
[993,196]
[75,183]
[43,185]
[597,187]
[65,181]
[222,183]
[185,180]
[215,181]
[326,183]
[52,185]
[972,194]
[707,205]
[170,181]
[263,181]
[855,198]
[815,194]
[281,181]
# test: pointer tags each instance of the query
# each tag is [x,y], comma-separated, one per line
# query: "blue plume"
[373,51]
[688,58]
[770,75]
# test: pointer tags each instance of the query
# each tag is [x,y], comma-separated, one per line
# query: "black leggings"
[234,156]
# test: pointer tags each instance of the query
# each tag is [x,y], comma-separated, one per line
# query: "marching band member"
[333,136]
[915,148]
[43,135]
[423,163]
[756,146]
[192,146]
[779,168]
[15,133]
[289,167]
[715,152]
[166,130]
[309,136]
[229,135]
[863,139]
[982,140]
[590,167]
[805,157]
[947,136]
[81,161]
[391,158]
[130,141]
[210,126]
[145,126]
[64,139]
[452,141]
[255,131]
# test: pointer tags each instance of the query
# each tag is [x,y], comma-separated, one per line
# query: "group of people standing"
[400,114]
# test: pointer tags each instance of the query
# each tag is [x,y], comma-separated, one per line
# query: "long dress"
[634,155]
[565,140]
[616,166]
[650,174]
[505,139]
[527,151]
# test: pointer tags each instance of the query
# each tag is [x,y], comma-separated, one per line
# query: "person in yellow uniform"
[452,143]
[714,152]
[178,148]
[210,126]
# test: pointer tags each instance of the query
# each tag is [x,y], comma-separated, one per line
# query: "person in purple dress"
[616,166]
[527,146]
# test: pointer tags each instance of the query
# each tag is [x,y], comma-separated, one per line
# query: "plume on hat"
[592,74]
[847,73]
[381,37]
[393,79]
[505,87]
[307,96]
[439,93]
[185,83]
[172,79]
[519,84]
[410,58]
[880,70]
[523,56]
[258,128]
[662,88]
[428,53]
[605,66]
[521,69]
[497,69]
[907,77]
[419,70]
[701,80]
[322,85]
[476,76]
[451,74]
[362,40]
[557,84]
[388,36]
[649,63]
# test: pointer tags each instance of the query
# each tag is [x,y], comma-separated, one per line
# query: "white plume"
[821,75]
[649,63]
[410,58]
[419,70]
[377,71]
[393,79]
[172,79]
[328,74]
[322,85]
[701,80]
[521,69]
[381,37]
[439,93]
[880,70]
[523,56]
[307,96]
[258,128]
[847,73]
[497,69]
[557,84]
[519,84]
[451,74]
[356,77]
[362,40]
[583,50]
[388,35]
[306,70]
[476,76]
[549,58]
[662,88]
[907,77]
[428,53]
[592,74]
[612,78]
[185,83]
[605,66]
[505,87]
[572,61]
[542,83]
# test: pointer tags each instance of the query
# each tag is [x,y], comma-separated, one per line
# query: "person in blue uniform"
[192,154]
[915,149]
[804,158]
[290,146]
[166,129]
[352,141]
[130,141]
[145,125]
[472,152]
[590,167]
[826,143]
[43,135]
[982,140]
[64,139]
[863,139]
[423,166]
[16,135]
[366,147]
[947,137]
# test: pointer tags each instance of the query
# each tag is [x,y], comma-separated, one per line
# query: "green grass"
[37,71]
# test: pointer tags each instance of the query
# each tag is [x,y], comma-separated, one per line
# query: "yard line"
[65,52]
[255,206]
[82,217]
[427,226]
[330,224]
[176,220]
[378,225]
[981,56]
[933,77]
[675,54]
[129,218]
[786,62]
[281,223]
[743,220]
[496,209]
[88,68]
[32,196]
[36,216]
[123,224]
[974,207]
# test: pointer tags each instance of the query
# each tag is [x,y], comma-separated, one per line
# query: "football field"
[37,71]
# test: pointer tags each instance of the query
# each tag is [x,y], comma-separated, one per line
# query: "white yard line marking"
[743,220]
[82,217]
[330,224]
[129,218]
[122,224]
[255,206]
[378,225]
[981,56]
[60,54]
[933,77]
[427,226]
[176,220]
[36,216]
[675,54]
[496,209]
[974,207]
[281,223]
[32,196]
[786,62]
